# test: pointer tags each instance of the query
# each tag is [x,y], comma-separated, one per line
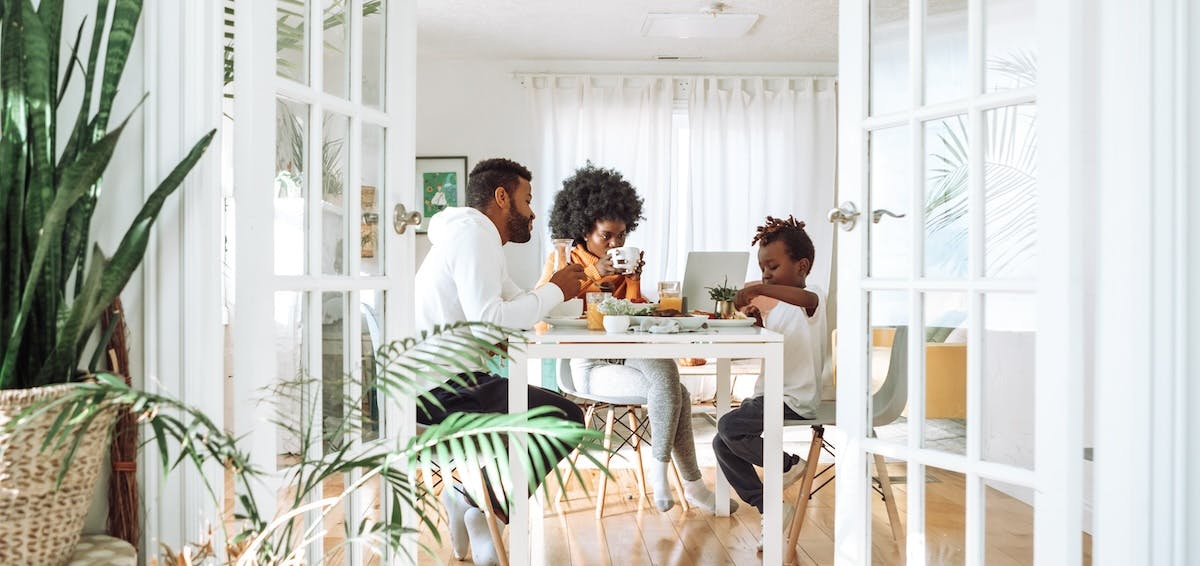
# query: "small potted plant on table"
[722,295]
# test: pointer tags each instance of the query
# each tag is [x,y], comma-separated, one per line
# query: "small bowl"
[616,323]
[693,322]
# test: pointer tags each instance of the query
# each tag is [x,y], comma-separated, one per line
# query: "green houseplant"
[406,369]
[722,296]
[55,284]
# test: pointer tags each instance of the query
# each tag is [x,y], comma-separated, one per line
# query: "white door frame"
[1146,174]
[183,342]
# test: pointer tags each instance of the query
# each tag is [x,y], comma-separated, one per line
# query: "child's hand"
[744,297]
[752,311]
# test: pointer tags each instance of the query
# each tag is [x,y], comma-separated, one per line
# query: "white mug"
[625,259]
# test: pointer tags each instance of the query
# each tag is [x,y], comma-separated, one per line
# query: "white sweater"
[465,277]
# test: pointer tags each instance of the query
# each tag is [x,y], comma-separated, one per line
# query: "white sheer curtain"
[759,147]
[618,122]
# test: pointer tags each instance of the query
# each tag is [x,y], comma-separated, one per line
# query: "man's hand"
[744,296]
[570,280]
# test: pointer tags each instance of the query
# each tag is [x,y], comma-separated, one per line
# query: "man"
[465,278]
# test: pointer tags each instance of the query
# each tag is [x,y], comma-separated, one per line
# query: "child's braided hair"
[791,231]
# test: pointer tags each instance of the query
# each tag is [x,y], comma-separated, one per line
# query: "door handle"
[402,218]
[877,215]
[846,215]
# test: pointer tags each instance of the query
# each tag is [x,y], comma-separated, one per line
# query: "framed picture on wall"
[441,182]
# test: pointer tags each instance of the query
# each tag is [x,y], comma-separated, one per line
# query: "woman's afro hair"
[590,195]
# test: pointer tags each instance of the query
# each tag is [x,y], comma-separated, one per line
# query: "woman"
[596,209]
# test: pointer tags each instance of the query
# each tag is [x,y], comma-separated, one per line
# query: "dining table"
[722,340]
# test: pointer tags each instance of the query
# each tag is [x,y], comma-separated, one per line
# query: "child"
[786,304]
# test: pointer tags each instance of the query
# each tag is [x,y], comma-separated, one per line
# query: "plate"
[730,322]
[684,322]
[567,321]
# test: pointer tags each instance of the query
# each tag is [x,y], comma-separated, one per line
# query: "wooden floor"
[634,533]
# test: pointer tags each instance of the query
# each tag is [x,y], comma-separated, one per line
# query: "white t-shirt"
[806,357]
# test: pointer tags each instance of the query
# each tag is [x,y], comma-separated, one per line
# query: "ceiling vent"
[711,23]
[678,57]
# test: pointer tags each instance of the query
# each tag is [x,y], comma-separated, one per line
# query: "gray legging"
[668,403]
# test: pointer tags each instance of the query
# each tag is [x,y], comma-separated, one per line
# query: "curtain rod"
[672,76]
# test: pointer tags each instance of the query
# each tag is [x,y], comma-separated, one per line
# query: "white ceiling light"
[712,22]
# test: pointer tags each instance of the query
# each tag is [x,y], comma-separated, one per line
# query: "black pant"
[739,448]
[486,393]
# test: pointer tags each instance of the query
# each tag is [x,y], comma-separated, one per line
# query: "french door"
[323,157]
[938,255]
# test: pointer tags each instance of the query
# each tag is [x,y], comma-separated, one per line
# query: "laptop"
[709,269]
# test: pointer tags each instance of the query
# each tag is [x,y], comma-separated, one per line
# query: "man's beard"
[519,229]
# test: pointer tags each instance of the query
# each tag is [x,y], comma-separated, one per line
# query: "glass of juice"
[670,295]
[595,318]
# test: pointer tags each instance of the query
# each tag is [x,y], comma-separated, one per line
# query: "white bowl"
[616,323]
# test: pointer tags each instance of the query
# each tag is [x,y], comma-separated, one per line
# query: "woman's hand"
[744,296]
[604,266]
[641,264]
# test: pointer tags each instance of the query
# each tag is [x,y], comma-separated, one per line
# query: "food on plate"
[666,313]
[698,312]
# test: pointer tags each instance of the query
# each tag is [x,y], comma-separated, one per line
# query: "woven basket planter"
[40,524]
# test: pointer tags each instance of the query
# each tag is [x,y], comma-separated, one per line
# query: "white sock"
[456,509]
[660,483]
[699,495]
[483,552]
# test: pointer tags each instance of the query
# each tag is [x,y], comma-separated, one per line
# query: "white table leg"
[772,450]
[518,516]
[537,509]
[721,486]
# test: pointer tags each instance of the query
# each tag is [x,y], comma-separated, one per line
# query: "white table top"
[727,335]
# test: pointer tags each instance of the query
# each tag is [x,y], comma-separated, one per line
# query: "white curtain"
[760,147]
[619,122]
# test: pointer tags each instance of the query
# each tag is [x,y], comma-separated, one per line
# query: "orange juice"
[595,319]
[670,303]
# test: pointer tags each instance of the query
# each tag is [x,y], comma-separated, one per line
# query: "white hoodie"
[465,277]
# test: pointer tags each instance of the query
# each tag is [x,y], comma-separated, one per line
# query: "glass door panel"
[1010,45]
[889,56]
[945,51]
[890,178]
[947,203]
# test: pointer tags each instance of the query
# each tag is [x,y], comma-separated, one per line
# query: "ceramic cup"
[625,258]
[616,324]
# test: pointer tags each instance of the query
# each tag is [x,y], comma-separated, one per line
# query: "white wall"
[478,109]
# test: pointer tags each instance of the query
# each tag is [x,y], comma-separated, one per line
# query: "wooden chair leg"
[640,470]
[683,502]
[587,423]
[889,500]
[810,470]
[608,433]
[493,524]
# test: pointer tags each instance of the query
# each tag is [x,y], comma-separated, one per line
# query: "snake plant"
[54,284]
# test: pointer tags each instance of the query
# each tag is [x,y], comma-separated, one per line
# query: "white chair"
[619,408]
[886,406]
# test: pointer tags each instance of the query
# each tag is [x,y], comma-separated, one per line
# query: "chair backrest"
[889,401]
[566,384]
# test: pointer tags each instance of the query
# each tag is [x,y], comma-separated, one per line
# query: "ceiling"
[788,30]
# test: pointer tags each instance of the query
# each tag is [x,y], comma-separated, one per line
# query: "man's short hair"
[491,173]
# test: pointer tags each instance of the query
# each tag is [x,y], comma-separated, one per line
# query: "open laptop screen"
[708,269]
